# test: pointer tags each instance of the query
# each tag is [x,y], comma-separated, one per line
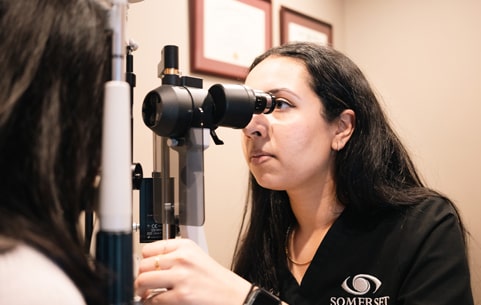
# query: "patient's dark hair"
[54,59]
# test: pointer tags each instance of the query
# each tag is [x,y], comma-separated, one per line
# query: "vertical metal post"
[114,239]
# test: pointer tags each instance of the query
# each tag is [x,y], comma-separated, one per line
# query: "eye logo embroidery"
[361,284]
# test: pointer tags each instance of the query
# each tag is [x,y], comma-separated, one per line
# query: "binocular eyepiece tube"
[170,111]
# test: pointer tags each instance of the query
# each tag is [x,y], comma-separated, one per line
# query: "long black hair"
[373,171]
[54,63]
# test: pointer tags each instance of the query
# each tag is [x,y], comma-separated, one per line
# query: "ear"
[344,125]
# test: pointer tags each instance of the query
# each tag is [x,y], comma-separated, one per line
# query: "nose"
[257,126]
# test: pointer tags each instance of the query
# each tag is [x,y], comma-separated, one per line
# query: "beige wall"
[423,58]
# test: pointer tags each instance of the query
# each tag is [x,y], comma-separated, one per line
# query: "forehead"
[279,72]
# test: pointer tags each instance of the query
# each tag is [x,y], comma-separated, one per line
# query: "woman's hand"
[177,271]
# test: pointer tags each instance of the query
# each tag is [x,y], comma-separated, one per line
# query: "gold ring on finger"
[157,262]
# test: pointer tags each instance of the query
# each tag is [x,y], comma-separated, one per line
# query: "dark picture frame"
[225,35]
[296,26]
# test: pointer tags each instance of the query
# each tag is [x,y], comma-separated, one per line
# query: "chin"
[271,185]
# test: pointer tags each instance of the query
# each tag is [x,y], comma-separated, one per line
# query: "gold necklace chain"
[289,238]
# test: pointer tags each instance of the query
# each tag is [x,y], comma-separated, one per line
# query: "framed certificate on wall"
[227,35]
[299,27]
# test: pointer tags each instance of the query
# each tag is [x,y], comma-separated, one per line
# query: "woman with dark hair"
[54,63]
[338,214]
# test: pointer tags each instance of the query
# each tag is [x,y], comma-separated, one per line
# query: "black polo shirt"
[410,255]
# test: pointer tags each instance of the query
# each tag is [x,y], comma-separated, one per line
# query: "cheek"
[305,146]
[293,143]
[299,137]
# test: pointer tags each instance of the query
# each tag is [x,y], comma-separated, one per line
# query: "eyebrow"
[276,90]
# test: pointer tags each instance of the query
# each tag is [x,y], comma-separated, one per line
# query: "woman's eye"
[282,103]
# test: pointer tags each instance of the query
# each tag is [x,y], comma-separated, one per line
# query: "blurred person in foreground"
[55,61]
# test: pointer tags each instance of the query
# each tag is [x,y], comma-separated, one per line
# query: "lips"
[259,157]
